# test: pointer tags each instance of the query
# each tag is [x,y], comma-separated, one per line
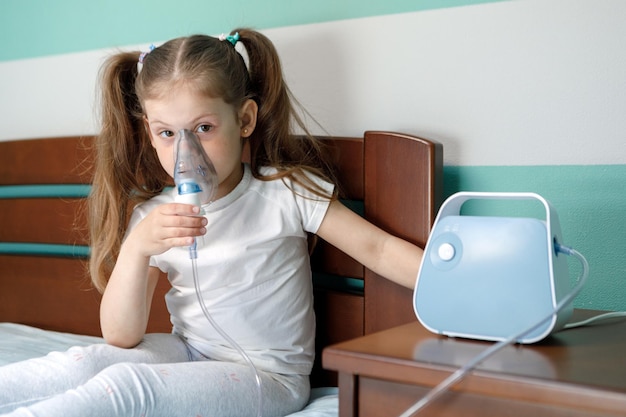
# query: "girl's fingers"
[181,215]
[170,225]
[186,232]
[179,209]
[183,241]
[185,222]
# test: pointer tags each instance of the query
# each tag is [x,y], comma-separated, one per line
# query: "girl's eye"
[166,134]
[204,128]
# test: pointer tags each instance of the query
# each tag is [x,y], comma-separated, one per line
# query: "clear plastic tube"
[196,282]
[196,184]
[462,372]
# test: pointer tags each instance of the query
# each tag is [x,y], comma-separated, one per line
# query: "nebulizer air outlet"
[196,183]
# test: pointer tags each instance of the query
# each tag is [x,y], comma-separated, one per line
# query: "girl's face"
[219,126]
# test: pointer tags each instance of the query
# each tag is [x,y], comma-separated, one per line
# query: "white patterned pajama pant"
[162,376]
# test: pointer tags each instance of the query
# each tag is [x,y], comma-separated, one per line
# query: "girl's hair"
[127,170]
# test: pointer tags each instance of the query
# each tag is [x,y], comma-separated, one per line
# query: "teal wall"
[30,28]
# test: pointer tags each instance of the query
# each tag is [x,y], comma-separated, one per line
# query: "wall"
[525,95]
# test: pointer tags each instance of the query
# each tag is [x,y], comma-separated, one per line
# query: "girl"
[253,266]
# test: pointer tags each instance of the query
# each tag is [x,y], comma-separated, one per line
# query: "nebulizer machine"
[196,183]
[496,278]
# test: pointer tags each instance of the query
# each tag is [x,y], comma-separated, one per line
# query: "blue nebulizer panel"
[491,277]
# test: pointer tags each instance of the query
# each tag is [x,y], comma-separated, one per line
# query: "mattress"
[19,342]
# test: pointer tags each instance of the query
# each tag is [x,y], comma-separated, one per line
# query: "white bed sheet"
[19,342]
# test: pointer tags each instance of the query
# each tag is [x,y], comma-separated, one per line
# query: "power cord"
[596,319]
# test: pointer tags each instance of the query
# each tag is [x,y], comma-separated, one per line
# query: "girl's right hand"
[125,305]
[167,226]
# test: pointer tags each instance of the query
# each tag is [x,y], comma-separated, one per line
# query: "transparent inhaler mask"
[194,174]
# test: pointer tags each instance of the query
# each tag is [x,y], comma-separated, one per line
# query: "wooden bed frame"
[392,179]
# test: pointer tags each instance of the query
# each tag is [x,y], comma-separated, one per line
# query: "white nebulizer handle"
[188,193]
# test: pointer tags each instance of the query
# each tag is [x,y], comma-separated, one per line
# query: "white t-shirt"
[254,274]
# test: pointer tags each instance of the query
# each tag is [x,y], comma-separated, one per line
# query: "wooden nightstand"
[579,373]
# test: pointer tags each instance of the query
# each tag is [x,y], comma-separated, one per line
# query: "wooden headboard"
[394,180]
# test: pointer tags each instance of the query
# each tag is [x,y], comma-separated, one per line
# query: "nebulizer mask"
[194,175]
[196,183]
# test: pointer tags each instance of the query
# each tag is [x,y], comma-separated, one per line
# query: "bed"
[46,300]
